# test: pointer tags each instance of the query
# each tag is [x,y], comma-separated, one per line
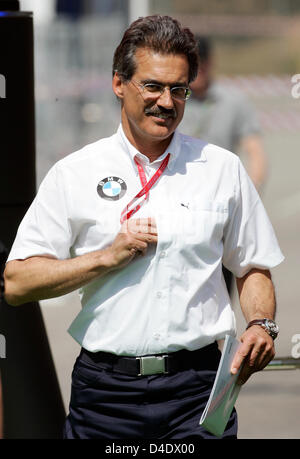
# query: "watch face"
[272,327]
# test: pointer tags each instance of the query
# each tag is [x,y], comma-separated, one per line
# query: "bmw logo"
[111,188]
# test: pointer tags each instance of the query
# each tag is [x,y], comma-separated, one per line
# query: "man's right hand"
[133,238]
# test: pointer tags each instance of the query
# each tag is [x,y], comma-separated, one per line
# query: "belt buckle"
[152,364]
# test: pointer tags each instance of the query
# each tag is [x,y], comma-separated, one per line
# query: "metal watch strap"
[263,324]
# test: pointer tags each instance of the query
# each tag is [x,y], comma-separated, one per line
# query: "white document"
[224,392]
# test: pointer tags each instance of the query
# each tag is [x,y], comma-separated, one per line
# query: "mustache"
[161,113]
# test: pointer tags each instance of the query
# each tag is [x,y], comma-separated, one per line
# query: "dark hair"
[204,47]
[161,34]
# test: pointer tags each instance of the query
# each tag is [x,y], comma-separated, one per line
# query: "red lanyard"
[127,212]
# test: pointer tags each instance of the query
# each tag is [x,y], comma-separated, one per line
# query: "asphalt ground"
[269,403]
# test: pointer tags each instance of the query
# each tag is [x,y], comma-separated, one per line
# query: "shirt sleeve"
[45,228]
[249,238]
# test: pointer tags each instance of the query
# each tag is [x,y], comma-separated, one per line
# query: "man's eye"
[151,87]
[179,92]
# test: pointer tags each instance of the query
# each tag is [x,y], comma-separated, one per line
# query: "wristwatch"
[269,326]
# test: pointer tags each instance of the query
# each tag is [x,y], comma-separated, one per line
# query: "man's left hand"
[256,351]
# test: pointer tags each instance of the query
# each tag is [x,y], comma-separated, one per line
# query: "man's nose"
[166,100]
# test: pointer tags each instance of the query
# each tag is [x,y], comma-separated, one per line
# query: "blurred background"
[256,51]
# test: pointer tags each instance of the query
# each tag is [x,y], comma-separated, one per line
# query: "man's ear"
[117,85]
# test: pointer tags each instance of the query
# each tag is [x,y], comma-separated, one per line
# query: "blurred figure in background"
[224,117]
[70,8]
[72,11]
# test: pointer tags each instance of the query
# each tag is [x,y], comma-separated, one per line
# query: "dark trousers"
[110,405]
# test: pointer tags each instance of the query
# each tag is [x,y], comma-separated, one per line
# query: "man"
[224,117]
[140,222]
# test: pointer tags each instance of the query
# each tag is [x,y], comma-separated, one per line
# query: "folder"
[224,392]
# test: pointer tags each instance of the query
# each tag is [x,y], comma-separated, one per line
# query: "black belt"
[204,358]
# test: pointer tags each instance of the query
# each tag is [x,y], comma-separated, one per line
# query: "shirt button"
[163,254]
[158,294]
[156,335]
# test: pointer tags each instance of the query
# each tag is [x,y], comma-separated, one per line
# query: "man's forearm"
[38,278]
[257,299]
[256,293]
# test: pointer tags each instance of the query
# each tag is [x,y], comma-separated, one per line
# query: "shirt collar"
[173,148]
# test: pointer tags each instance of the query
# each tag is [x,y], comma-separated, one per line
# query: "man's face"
[145,116]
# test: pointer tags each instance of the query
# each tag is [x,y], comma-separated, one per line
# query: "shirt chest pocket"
[199,223]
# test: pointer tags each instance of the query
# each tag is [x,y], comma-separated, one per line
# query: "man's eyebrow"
[172,85]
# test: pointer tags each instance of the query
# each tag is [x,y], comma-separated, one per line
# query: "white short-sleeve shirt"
[207,213]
